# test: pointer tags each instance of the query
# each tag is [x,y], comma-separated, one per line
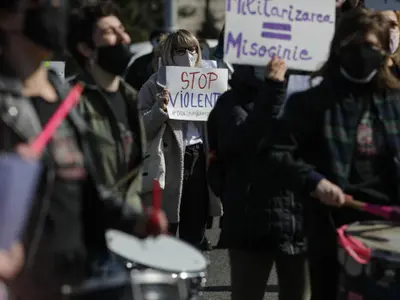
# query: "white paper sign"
[299,31]
[209,64]
[56,66]
[194,91]
[299,83]
[383,4]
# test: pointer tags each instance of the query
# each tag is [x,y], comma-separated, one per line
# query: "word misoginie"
[244,48]
[192,83]
[265,8]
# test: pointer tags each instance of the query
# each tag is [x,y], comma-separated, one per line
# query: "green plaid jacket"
[109,149]
[324,122]
[341,124]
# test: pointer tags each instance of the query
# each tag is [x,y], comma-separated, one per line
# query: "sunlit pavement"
[218,283]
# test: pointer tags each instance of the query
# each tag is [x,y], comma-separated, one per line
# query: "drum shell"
[377,280]
[194,281]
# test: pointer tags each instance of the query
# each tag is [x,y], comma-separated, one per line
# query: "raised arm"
[239,133]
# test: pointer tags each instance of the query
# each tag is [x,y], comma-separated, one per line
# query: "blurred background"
[205,18]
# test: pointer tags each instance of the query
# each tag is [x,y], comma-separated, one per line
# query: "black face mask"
[360,63]
[47,26]
[114,59]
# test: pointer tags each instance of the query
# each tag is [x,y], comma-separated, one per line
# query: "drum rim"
[377,253]
[163,269]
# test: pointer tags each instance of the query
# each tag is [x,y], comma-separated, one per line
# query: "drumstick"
[50,128]
[154,222]
[156,196]
[391,213]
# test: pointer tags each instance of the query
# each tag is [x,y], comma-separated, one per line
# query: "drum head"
[379,235]
[163,253]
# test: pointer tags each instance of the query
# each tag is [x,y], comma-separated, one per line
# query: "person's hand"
[11,261]
[163,98]
[151,224]
[26,152]
[276,69]
[329,193]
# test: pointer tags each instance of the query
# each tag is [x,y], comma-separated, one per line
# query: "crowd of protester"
[277,169]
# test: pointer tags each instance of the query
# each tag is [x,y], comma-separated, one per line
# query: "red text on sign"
[198,80]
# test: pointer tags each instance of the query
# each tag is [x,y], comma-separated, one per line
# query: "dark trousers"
[324,275]
[322,252]
[195,198]
[250,271]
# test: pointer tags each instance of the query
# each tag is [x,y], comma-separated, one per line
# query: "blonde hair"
[179,39]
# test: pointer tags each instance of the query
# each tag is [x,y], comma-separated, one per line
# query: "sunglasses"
[182,51]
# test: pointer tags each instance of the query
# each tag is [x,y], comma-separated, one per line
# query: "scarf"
[340,128]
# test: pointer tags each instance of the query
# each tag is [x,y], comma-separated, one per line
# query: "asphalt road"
[218,282]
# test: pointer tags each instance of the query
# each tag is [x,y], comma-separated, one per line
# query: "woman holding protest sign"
[347,127]
[176,154]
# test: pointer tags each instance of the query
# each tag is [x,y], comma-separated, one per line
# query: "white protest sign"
[194,91]
[299,83]
[298,31]
[383,4]
[209,64]
[56,66]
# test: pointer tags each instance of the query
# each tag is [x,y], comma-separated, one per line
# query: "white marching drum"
[164,254]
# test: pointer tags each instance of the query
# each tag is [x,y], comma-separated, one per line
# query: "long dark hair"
[357,24]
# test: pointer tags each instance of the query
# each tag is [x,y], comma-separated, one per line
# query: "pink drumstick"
[63,110]
[391,213]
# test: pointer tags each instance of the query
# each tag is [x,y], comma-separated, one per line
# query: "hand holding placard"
[256,31]
[276,69]
[194,91]
[163,98]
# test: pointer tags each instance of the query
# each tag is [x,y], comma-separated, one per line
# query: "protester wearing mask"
[99,43]
[261,228]
[394,17]
[347,128]
[145,66]
[55,240]
[176,153]
[22,50]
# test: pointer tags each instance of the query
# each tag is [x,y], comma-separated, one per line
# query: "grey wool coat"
[165,151]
